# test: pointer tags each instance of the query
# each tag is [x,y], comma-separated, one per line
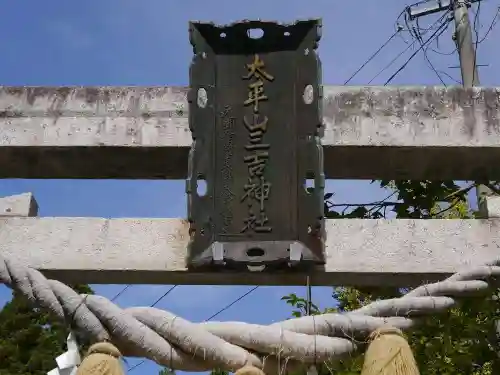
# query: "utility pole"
[467,55]
[465,46]
[470,78]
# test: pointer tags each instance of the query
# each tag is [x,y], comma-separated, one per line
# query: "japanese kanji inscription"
[257,187]
[255,117]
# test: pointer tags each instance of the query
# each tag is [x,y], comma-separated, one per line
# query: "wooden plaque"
[255,117]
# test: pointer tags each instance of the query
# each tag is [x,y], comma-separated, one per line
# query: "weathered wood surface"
[142,132]
[144,251]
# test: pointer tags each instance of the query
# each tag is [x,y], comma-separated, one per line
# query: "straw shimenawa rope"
[389,354]
[179,344]
[102,359]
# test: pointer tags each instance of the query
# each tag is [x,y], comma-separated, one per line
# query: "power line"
[392,61]
[407,47]
[450,77]
[492,25]
[449,8]
[232,303]
[153,305]
[476,31]
[399,28]
[431,65]
[418,37]
[135,366]
[441,29]
[426,57]
[206,320]
[414,31]
[163,296]
[120,293]
[418,30]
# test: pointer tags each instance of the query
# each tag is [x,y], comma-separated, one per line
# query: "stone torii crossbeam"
[134,132]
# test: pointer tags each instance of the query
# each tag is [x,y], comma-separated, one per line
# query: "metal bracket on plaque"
[255,119]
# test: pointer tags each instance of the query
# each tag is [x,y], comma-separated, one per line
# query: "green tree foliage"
[219,372]
[30,338]
[461,341]
[167,371]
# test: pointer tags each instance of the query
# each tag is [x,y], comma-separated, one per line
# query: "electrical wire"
[206,320]
[398,30]
[120,293]
[492,25]
[476,26]
[130,369]
[441,29]
[422,32]
[426,56]
[153,305]
[429,63]
[450,9]
[232,303]
[163,296]
[418,35]
[392,61]
[419,31]
[406,12]
[476,32]
[309,295]
[450,77]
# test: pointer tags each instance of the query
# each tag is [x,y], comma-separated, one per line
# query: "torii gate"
[143,133]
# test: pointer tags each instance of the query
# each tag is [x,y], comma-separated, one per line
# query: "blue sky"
[125,42]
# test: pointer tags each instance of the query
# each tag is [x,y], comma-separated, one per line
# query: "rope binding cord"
[389,354]
[249,370]
[177,343]
[102,359]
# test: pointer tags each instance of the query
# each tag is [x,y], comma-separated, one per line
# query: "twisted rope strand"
[175,342]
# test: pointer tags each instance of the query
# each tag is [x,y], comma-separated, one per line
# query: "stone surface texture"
[143,251]
[143,132]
